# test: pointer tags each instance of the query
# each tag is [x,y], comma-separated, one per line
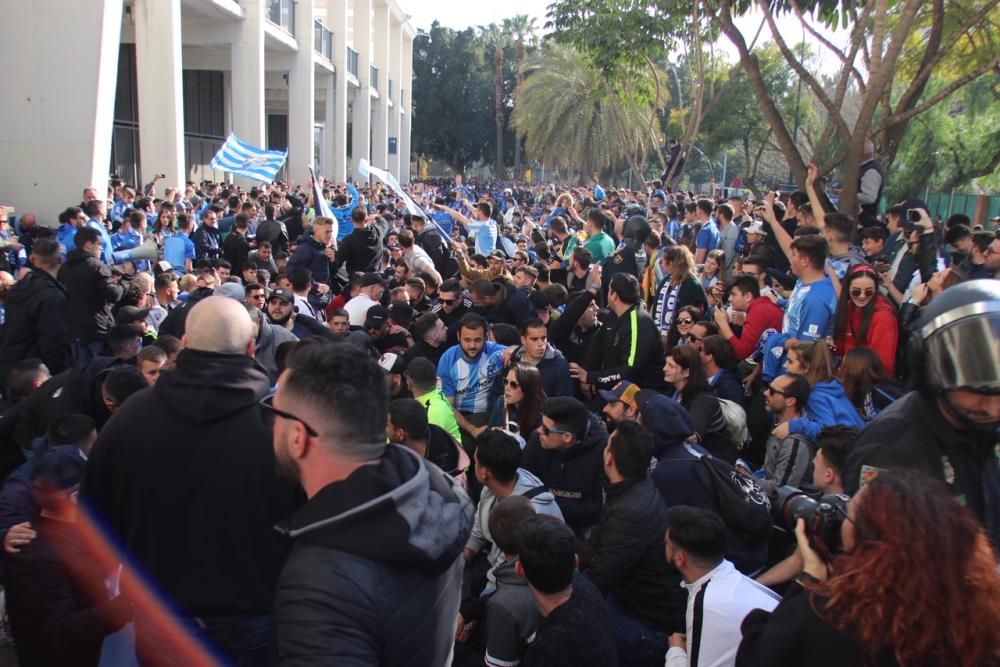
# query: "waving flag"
[367,170]
[321,208]
[239,157]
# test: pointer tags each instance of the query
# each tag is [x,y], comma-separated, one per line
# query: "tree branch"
[968,77]
[848,63]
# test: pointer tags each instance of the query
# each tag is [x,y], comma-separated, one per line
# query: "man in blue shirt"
[95,220]
[345,205]
[708,237]
[468,371]
[481,224]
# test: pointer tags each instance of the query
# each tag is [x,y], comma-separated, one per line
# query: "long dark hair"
[529,410]
[861,371]
[844,304]
[687,357]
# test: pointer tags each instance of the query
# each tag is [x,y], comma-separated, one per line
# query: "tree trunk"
[519,55]
[498,60]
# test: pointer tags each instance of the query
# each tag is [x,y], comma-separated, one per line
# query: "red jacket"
[763,314]
[882,336]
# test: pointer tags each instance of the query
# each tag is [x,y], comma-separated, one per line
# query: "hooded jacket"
[184,475]
[361,250]
[628,558]
[480,538]
[90,295]
[310,253]
[271,336]
[375,575]
[575,476]
[512,306]
[828,406]
[554,369]
[35,324]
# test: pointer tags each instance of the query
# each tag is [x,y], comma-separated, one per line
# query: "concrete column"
[336,128]
[302,96]
[161,90]
[249,120]
[380,56]
[406,81]
[55,143]
[361,116]
[395,74]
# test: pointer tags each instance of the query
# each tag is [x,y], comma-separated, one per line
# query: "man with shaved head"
[184,477]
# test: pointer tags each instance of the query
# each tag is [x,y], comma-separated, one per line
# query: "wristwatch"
[806,580]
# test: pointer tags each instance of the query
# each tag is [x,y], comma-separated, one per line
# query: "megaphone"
[147,251]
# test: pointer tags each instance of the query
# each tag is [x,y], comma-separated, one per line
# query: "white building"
[92,87]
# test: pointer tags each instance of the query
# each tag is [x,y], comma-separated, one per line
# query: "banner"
[320,206]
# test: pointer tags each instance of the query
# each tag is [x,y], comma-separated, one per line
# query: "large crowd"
[499,423]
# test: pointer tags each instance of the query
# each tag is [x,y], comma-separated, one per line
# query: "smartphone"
[913,215]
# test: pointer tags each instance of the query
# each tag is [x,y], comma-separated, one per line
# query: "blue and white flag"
[239,157]
[367,170]
[321,208]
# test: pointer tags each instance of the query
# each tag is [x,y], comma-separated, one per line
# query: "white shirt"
[303,306]
[717,604]
[358,307]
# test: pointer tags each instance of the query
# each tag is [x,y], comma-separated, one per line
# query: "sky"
[461,14]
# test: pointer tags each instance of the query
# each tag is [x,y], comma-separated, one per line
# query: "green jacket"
[440,412]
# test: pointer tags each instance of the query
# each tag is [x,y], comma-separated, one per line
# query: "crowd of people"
[498,423]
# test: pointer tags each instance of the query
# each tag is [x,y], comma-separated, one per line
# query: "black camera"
[823,516]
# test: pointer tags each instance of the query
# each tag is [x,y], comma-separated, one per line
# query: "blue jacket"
[310,254]
[828,406]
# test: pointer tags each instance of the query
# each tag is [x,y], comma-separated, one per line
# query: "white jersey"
[717,604]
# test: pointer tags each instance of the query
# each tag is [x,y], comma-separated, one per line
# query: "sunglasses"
[769,389]
[447,302]
[685,321]
[868,291]
[513,384]
[549,431]
[270,414]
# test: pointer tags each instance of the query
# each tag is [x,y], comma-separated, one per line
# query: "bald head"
[27,221]
[219,324]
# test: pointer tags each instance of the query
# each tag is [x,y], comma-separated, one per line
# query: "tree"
[451,97]
[497,38]
[522,28]
[570,121]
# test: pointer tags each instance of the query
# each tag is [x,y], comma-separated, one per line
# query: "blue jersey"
[470,383]
[486,235]
[106,250]
[708,236]
[811,310]
[598,192]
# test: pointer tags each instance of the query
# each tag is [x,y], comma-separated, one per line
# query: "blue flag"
[239,157]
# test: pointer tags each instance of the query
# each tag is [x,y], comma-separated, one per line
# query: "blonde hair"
[568,198]
[681,262]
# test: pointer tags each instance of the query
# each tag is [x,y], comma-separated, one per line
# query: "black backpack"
[742,503]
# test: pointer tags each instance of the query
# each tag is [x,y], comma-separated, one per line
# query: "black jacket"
[90,295]
[207,242]
[310,253]
[361,250]
[375,575]
[566,335]
[274,232]
[512,306]
[628,556]
[192,458]
[59,612]
[794,634]
[575,476]
[35,326]
[236,251]
[438,250]
[627,348]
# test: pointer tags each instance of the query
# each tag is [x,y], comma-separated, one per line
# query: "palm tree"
[570,118]
[521,27]
[495,36]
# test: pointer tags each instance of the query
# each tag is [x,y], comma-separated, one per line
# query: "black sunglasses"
[685,321]
[771,390]
[447,302]
[269,413]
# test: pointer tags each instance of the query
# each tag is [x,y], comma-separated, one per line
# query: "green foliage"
[569,120]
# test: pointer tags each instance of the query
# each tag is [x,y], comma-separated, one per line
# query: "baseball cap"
[232,290]
[392,363]
[130,314]
[624,391]
[376,317]
[401,313]
[283,294]
[665,416]
[497,255]
[60,468]
[370,279]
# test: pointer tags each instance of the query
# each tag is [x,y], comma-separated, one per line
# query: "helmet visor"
[965,355]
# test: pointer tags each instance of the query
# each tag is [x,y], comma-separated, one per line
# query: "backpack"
[741,501]
[734,422]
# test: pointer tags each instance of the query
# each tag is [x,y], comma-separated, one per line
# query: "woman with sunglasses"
[865,318]
[873,603]
[520,410]
[679,289]
[828,405]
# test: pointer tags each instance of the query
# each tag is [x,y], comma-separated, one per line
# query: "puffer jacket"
[375,574]
[628,559]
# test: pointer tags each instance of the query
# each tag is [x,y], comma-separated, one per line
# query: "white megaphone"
[147,251]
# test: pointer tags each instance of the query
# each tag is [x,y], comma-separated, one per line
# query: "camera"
[823,515]
[913,215]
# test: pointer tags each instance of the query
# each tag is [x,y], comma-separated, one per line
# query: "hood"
[506,574]
[82,386]
[550,353]
[668,421]
[596,436]
[400,511]
[829,388]
[35,283]
[526,481]
[206,387]
[307,238]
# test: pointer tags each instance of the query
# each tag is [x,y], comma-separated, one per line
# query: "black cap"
[60,468]
[130,314]
[283,294]
[376,317]
[370,279]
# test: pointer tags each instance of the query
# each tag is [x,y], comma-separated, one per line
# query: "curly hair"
[907,523]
